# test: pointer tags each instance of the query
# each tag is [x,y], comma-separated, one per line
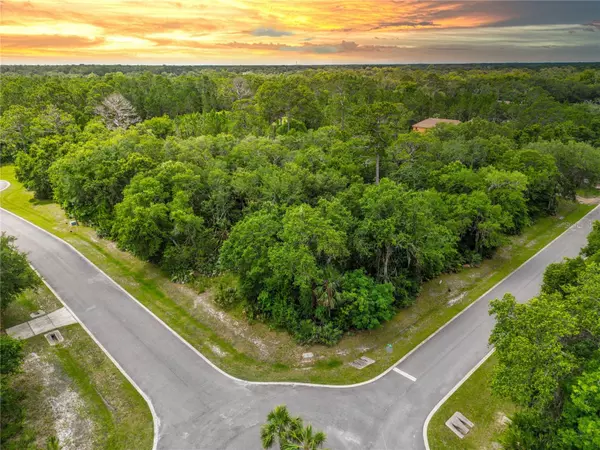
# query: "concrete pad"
[22,331]
[41,325]
[61,317]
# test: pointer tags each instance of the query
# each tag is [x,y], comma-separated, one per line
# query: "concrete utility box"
[73,223]
[54,337]
[362,362]
[459,424]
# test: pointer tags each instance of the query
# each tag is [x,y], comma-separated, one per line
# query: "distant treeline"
[103,69]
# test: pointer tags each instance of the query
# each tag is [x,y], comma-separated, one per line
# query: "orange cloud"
[240,31]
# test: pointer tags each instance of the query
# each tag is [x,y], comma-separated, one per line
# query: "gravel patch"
[73,429]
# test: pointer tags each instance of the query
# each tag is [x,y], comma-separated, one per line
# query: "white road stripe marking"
[404,374]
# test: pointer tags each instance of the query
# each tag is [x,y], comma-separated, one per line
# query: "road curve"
[199,407]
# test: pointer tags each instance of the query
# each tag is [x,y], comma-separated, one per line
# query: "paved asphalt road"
[200,408]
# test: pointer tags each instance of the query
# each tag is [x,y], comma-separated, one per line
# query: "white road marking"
[404,374]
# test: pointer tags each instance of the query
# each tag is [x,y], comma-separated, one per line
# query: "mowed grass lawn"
[254,351]
[477,402]
[72,390]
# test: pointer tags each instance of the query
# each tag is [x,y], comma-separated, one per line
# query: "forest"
[305,195]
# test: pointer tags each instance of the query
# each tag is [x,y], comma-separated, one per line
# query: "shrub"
[308,332]
[227,292]
[366,303]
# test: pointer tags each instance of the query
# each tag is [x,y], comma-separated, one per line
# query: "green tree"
[289,98]
[17,275]
[543,179]
[159,216]
[15,131]
[31,167]
[159,126]
[558,277]
[89,180]
[578,164]
[246,252]
[365,303]
[477,221]
[531,360]
[328,292]
[53,121]
[400,234]
[507,189]
[382,122]
[593,242]
[580,424]
[12,355]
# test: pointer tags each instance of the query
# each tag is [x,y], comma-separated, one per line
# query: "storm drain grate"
[459,424]
[54,337]
[362,362]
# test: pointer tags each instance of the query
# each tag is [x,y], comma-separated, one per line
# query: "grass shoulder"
[477,402]
[254,351]
[72,390]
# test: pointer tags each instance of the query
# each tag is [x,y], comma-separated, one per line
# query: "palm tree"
[304,438]
[277,427]
[328,293]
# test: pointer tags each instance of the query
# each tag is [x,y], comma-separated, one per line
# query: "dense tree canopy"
[306,186]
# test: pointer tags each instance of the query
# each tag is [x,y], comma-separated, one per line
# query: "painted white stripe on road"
[404,374]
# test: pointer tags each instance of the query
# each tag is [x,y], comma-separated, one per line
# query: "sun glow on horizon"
[269,32]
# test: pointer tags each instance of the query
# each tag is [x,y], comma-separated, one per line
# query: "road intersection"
[198,406]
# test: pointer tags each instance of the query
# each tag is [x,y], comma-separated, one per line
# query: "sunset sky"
[297,31]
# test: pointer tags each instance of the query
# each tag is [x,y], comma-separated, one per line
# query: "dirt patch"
[502,420]
[589,201]
[456,299]
[73,429]
[217,350]
[238,328]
